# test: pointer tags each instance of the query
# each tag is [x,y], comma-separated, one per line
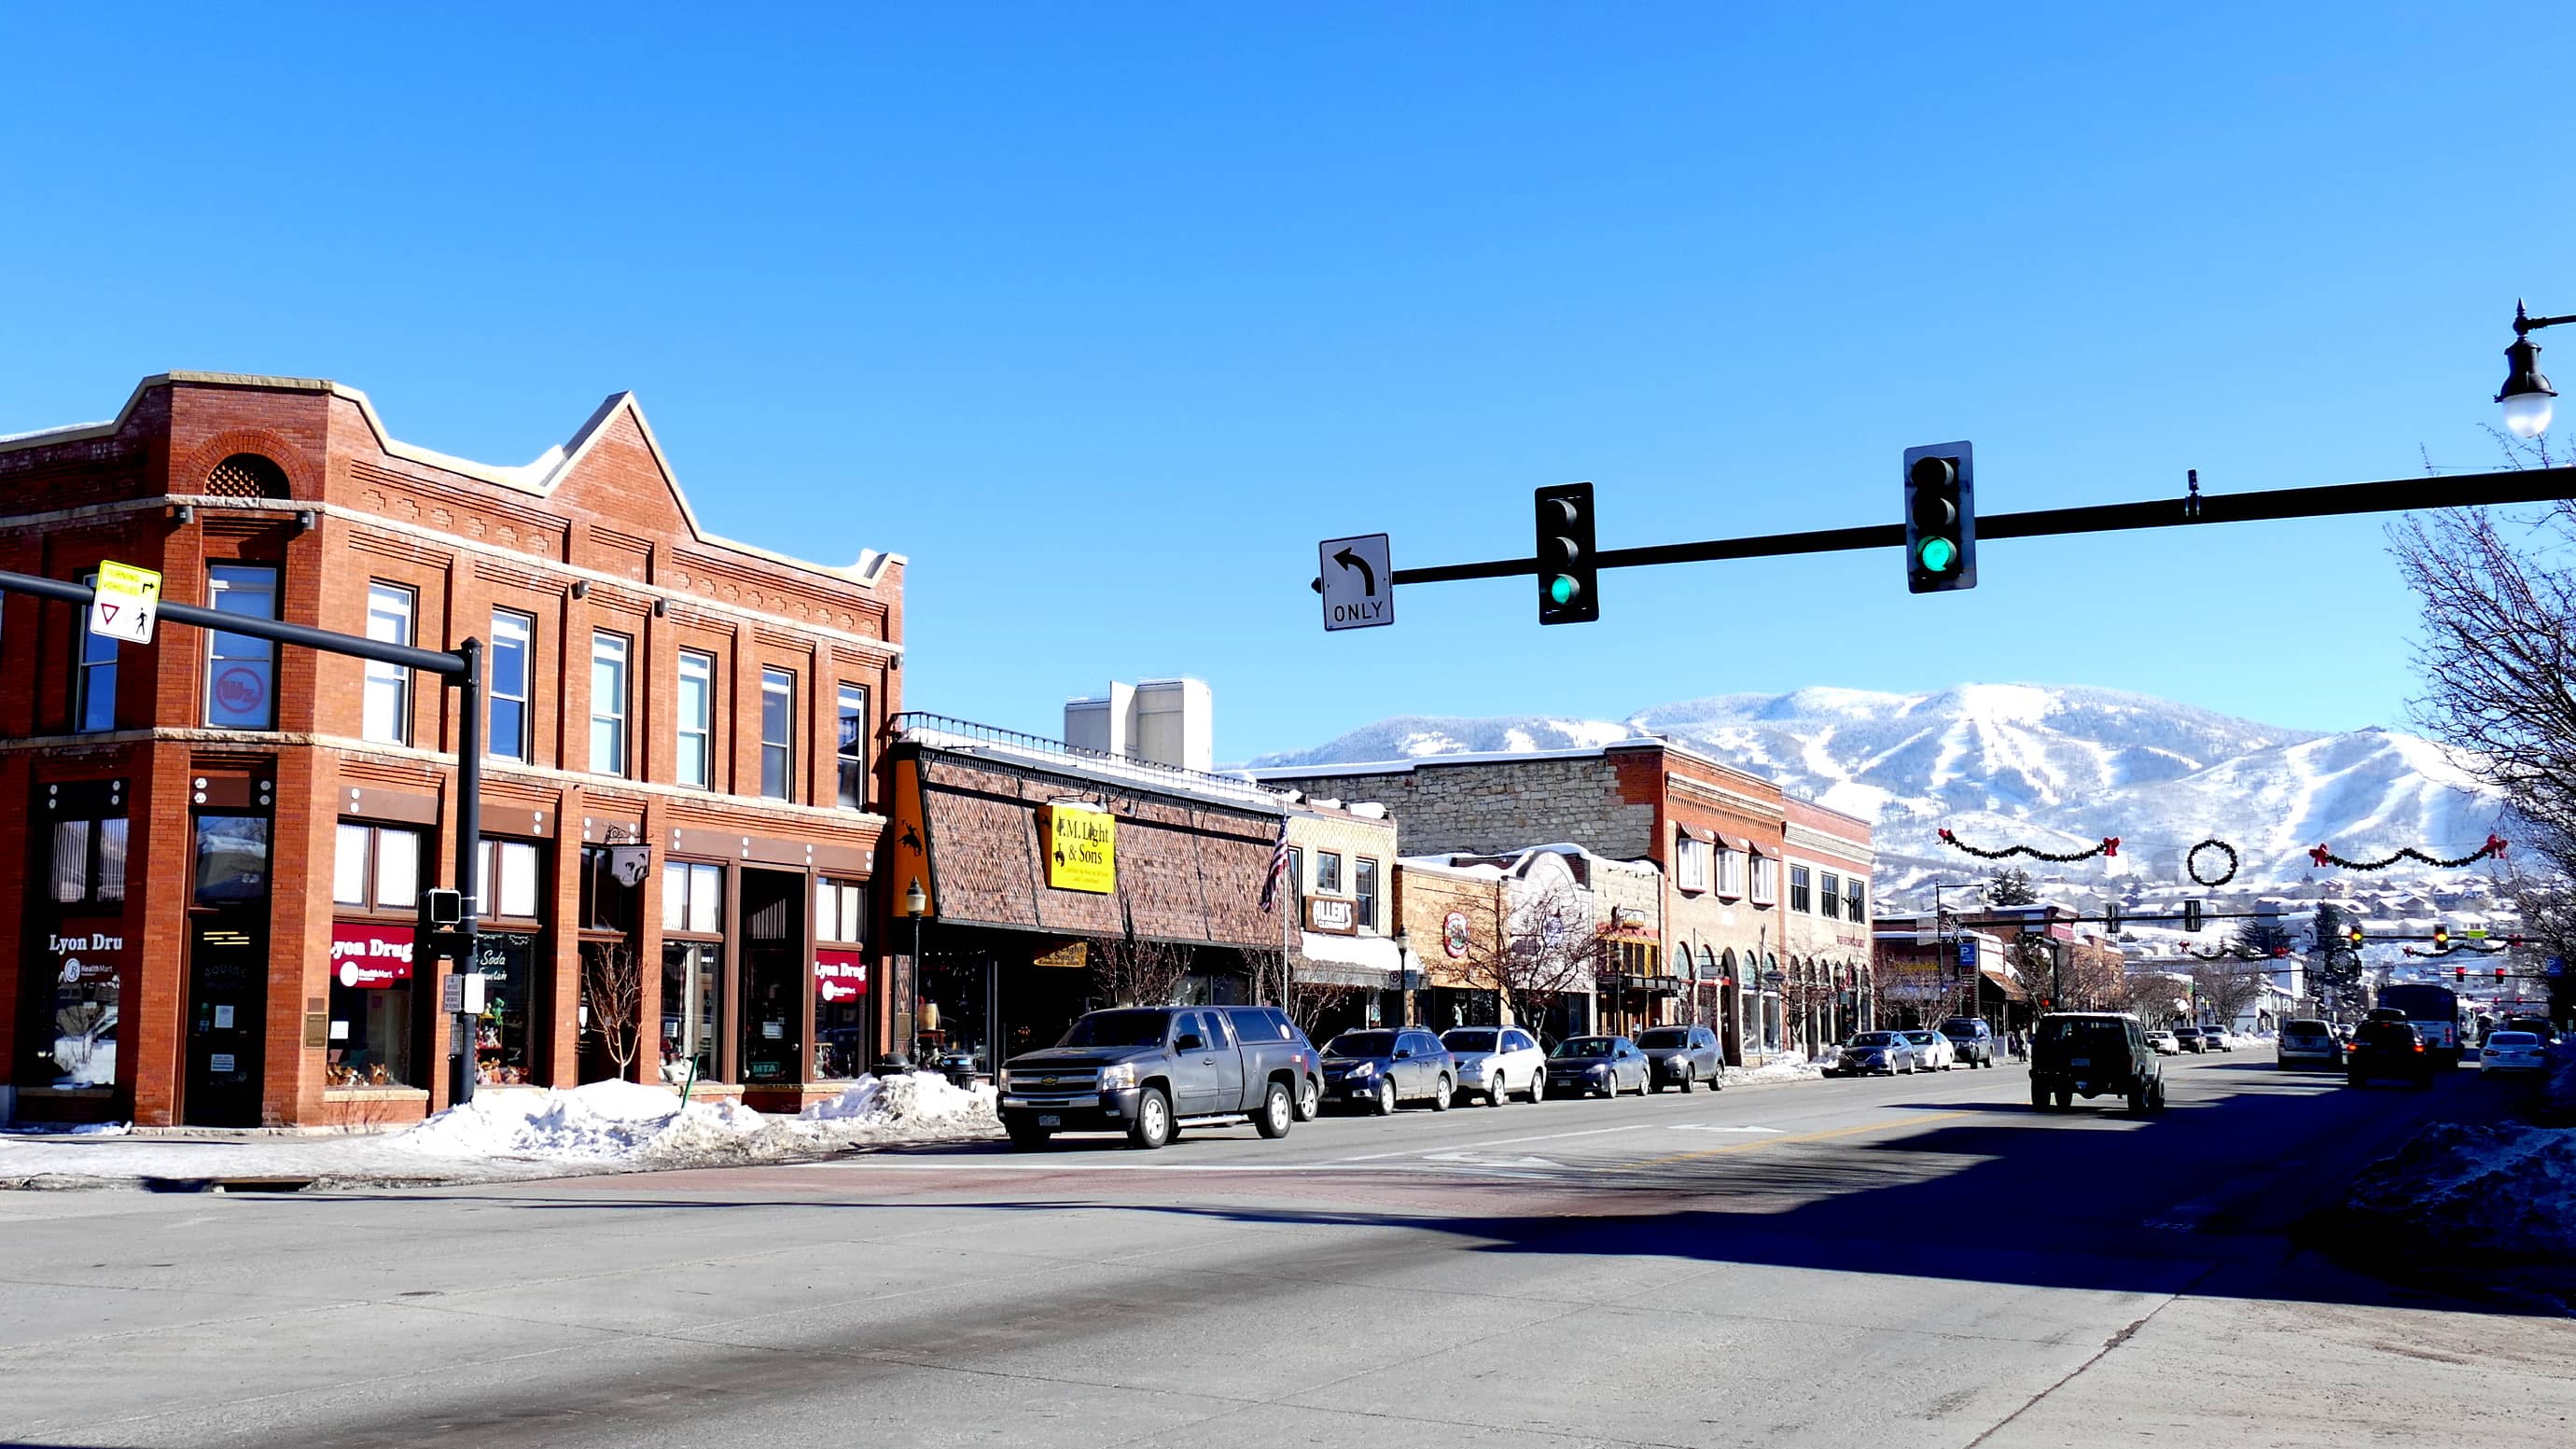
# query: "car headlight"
[1006,1079]
[1121,1075]
[1597,1069]
[1363,1069]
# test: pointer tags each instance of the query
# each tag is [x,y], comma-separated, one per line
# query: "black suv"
[2387,1049]
[2093,1054]
[1971,1040]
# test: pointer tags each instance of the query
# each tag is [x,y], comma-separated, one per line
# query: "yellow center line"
[1797,1137]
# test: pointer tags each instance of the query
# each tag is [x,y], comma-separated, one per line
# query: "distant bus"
[2432,1010]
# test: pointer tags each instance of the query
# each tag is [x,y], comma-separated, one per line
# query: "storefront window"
[840,981]
[692,897]
[506,960]
[692,999]
[952,1036]
[89,862]
[509,878]
[612,879]
[371,999]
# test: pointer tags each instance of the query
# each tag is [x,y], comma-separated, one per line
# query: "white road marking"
[1710,1127]
[1472,1159]
[1501,1142]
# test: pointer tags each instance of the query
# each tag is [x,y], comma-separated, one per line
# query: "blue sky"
[1103,315]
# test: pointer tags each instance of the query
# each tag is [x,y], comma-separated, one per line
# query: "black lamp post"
[2527,397]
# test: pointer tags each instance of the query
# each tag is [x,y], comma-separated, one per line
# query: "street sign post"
[129,599]
[1359,582]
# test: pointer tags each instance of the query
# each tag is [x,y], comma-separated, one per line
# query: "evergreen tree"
[2011,886]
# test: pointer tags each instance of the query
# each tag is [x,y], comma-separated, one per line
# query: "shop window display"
[506,960]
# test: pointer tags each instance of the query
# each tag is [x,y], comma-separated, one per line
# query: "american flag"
[1278,868]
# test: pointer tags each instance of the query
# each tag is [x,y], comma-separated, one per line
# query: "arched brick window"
[247,475]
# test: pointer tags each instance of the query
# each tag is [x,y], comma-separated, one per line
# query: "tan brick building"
[680,820]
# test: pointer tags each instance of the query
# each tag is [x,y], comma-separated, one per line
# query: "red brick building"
[221,841]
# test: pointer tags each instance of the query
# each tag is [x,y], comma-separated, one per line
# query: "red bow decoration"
[2110,845]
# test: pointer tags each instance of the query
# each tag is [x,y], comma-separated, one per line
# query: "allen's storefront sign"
[1082,847]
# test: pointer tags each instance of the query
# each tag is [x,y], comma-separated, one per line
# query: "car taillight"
[2352,1046]
[2419,1046]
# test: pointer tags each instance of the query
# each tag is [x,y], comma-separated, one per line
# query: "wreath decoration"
[2191,862]
[2495,846]
[2109,847]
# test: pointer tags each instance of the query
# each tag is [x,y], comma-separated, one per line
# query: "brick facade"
[595,536]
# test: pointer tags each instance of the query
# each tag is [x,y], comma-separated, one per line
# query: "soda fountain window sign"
[1081,847]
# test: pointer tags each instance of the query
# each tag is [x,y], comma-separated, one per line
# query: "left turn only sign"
[129,599]
[1359,582]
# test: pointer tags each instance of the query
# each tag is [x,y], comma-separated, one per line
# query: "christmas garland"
[2191,862]
[2110,846]
[2495,846]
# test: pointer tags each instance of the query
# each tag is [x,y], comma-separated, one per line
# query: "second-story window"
[607,703]
[777,732]
[1364,889]
[1802,892]
[1730,872]
[386,712]
[376,867]
[1328,873]
[1833,893]
[241,672]
[1693,873]
[851,747]
[94,678]
[697,752]
[1766,881]
[514,639]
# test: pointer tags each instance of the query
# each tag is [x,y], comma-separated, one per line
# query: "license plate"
[1050,1121]
[2079,1061]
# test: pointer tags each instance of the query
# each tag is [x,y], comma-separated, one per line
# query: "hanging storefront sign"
[910,832]
[1453,934]
[1337,915]
[839,976]
[370,955]
[1081,847]
[1071,956]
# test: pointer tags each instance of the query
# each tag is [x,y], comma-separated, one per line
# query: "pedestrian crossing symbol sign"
[128,600]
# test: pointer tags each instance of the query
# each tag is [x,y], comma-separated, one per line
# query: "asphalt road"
[1920,1262]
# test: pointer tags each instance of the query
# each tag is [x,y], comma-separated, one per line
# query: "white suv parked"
[1496,1063]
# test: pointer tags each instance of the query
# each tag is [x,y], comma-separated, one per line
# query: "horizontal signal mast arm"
[2394,495]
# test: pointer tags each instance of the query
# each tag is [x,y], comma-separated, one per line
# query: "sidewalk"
[506,1136]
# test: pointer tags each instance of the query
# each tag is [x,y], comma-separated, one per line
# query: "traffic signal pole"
[2393,495]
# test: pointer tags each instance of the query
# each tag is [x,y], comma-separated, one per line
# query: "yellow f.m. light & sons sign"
[1081,846]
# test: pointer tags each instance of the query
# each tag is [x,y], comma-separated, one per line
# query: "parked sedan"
[2190,1038]
[2216,1039]
[1682,1056]
[2511,1051]
[1932,1051]
[2164,1043]
[1873,1053]
[1496,1063]
[1385,1068]
[1583,1065]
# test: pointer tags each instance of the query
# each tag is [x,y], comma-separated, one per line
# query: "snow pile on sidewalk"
[1785,1067]
[2558,1091]
[2504,1193]
[625,1122]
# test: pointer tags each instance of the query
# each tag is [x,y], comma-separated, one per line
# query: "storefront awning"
[2011,989]
[1640,985]
[1344,973]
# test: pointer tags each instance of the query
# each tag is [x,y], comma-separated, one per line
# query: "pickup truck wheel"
[1385,1097]
[1278,1111]
[2038,1097]
[1310,1099]
[1440,1099]
[1153,1125]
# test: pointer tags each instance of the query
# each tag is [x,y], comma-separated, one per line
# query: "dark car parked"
[1682,1056]
[2189,1036]
[1385,1067]
[1872,1053]
[1148,1070]
[2093,1054]
[2386,1049]
[1583,1065]
[1972,1039]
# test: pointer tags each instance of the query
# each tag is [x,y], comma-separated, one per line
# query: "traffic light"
[2499,976]
[2191,915]
[2354,936]
[2441,938]
[1568,580]
[1940,518]
[2460,973]
[2111,916]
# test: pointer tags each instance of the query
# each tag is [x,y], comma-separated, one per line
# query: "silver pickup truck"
[1148,1071]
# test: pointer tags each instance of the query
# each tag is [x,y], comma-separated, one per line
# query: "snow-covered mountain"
[2016,764]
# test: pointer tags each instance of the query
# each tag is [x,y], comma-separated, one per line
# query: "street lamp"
[916,904]
[2527,397]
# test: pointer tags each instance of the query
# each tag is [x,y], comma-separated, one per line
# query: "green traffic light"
[1562,589]
[1939,555]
